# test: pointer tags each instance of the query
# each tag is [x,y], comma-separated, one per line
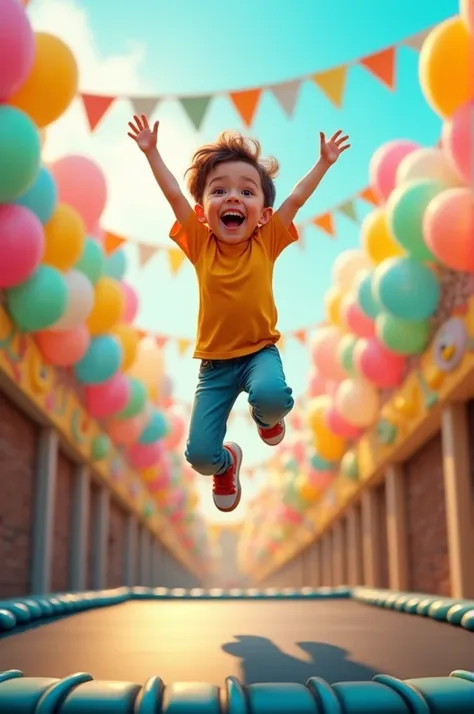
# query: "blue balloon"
[407,289]
[116,265]
[320,464]
[366,299]
[42,197]
[156,428]
[101,361]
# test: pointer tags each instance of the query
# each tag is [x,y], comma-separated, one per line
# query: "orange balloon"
[376,238]
[65,235]
[108,306]
[128,337]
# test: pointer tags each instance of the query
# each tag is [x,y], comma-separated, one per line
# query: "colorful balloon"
[176,430]
[143,456]
[384,165]
[406,289]
[21,244]
[354,318]
[106,399]
[324,350]
[427,165]
[108,306]
[92,261]
[20,151]
[340,426]
[126,431]
[148,367]
[100,447]
[156,428]
[81,183]
[65,235]
[358,402]
[447,46]
[378,365]
[401,336]
[136,402]
[63,349]
[80,301]
[316,386]
[101,361]
[131,303]
[116,264]
[51,84]
[17,47]
[129,339]
[377,241]
[329,445]
[405,210]
[347,266]
[448,228]
[332,305]
[458,142]
[345,353]
[365,296]
[41,197]
[40,301]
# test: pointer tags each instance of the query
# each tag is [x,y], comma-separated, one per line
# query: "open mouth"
[232,219]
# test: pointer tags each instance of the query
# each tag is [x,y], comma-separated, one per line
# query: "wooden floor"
[258,641]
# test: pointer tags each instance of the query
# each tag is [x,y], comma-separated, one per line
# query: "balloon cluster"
[60,283]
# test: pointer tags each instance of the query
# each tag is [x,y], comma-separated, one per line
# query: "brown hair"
[232,146]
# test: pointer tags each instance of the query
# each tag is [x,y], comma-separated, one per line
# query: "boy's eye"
[219,190]
[247,192]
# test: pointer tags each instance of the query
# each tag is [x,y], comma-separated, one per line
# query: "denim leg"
[216,393]
[262,377]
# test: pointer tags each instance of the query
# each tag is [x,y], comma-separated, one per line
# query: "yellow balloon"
[64,238]
[128,337]
[149,367]
[108,306]
[317,410]
[329,446]
[445,67]
[52,82]
[332,304]
[376,238]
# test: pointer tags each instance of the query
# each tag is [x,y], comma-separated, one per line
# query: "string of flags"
[331,82]
[325,222]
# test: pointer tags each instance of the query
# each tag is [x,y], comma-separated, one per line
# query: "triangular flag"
[332,83]
[369,195]
[325,222]
[382,66]
[142,334]
[246,103]
[287,94]
[183,344]
[301,336]
[161,340]
[145,253]
[112,242]
[95,107]
[348,209]
[416,42]
[176,258]
[144,105]
[195,108]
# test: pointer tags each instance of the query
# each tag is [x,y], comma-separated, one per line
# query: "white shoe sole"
[238,495]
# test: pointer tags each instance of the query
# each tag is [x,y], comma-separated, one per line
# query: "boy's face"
[233,202]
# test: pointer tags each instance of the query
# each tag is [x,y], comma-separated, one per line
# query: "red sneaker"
[226,490]
[272,435]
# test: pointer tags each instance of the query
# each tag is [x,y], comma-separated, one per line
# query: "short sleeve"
[190,236]
[276,236]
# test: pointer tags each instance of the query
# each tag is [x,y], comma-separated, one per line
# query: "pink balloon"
[21,243]
[356,320]
[320,479]
[97,234]
[130,309]
[317,385]
[109,398]
[81,183]
[64,348]
[17,47]
[458,141]
[144,456]
[176,433]
[384,164]
[325,348]
[380,366]
[448,228]
[126,431]
[340,426]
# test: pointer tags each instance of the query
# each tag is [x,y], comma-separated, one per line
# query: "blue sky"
[190,47]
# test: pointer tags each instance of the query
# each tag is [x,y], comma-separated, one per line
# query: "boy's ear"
[266,215]
[199,211]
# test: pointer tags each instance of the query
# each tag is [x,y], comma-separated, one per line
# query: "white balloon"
[347,267]
[358,402]
[431,164]
[80,301]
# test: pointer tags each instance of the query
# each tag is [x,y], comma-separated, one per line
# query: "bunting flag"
[331,82]
[325,222]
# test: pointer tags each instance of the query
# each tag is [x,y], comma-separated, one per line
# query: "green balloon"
[136,399]
[346,354]
[405,210]
[407,289]
[92,261]
[366,298]
[40,301]
[20,152]
[400,336]
[100,447]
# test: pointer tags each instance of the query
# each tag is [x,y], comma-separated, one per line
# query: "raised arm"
[329,154]
[147,140]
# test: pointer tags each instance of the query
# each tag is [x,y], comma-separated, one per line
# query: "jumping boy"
[233,238]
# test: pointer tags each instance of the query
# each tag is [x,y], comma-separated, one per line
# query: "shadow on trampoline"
[262,661]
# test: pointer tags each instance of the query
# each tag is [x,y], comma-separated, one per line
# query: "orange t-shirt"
[237,313]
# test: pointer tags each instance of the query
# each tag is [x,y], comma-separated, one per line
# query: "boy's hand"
[142,135]
[332,149]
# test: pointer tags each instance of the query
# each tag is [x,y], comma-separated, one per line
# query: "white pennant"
[144,105]
[287,94]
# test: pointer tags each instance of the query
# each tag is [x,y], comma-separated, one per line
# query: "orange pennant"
[301,336]
[112,242]
[325,222]
[95,108]
[332,83]
[246,103]
[369,195]
[382,66]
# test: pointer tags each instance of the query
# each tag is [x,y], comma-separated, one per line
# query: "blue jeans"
[220,383]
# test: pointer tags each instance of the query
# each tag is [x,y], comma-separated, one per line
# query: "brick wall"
[62,524]
[116,546]
[382,510]
[93,495]
[18,449]
[426,521]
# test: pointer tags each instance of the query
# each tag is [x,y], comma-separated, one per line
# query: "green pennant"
[195,108]
[348,210]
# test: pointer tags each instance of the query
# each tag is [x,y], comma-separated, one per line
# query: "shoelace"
[224,483]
